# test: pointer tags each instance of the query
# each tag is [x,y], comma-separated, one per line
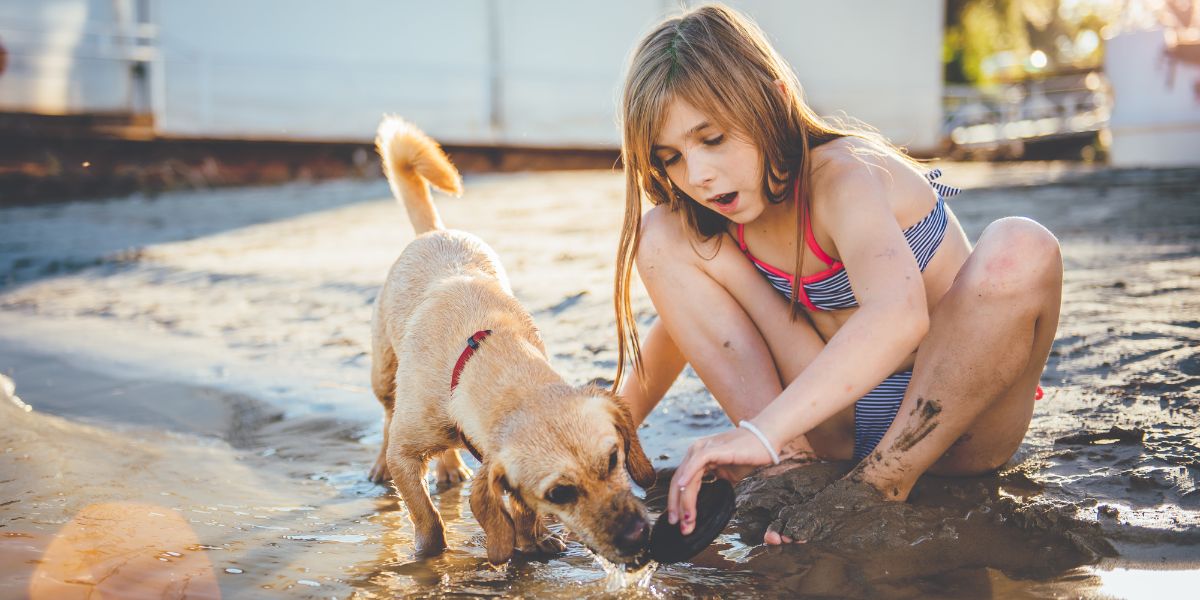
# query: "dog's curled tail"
[412,162]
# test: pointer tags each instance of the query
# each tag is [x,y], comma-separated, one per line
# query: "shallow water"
[201,413]
[284,509]
[287,512]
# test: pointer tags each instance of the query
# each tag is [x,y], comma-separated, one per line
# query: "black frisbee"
[714,507]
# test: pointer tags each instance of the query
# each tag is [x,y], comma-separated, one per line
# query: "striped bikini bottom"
[874,413]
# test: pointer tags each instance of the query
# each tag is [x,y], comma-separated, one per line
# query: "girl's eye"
[563,494]
[714,141]
[674,158]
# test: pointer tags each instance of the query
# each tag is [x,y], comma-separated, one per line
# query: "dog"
[458,362]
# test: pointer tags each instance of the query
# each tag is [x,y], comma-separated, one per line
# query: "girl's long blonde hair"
[720,62]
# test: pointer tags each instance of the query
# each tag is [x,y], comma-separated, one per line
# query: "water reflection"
[464,571]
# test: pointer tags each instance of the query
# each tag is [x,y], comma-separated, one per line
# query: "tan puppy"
[550,447]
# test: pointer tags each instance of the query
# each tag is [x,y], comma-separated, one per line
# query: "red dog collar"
[472,346]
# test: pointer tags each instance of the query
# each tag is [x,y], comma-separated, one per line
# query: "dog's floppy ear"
[636,463]
[487,502]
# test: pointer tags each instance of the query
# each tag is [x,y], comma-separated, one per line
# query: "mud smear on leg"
[921,422]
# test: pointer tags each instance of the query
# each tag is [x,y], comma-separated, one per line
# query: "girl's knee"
[1016,256]
[660,233]
[665,242]
[1026,239]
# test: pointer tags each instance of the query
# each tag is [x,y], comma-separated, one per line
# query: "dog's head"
[574,462]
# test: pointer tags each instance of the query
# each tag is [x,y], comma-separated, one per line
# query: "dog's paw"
[451,470]
[430,544]
[552,544]
[379,472]
[548,544]
[449,477]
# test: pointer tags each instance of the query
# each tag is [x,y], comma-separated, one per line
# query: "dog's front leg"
[408,474]
[533,537]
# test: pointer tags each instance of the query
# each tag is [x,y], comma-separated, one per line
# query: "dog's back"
[413,162]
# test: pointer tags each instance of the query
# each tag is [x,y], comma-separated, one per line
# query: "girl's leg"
[661,364]
[724,318]
[971,396]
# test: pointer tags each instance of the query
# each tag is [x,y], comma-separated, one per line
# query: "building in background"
[77,57]
[532,73]
[1153,64]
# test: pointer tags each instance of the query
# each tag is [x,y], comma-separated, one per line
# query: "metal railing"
[1003,120]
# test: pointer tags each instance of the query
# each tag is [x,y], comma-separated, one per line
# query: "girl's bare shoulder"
[854,161]
[850,162]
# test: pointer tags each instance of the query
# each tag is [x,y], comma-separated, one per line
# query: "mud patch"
[1114,435]
[948,525]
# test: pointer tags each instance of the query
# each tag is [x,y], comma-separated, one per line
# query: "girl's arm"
[892,318]
[662,362]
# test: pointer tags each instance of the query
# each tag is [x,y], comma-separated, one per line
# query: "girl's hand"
[730,455]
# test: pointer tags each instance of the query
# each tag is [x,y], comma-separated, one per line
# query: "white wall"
[562,66]
[879,61]
[1156,112]
[64,57]
[524,72]
[287,69]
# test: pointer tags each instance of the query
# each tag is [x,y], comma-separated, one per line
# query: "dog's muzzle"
[633,534]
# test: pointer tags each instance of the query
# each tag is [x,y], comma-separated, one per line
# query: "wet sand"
[197,363]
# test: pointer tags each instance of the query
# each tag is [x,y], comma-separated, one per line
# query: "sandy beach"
[195,418]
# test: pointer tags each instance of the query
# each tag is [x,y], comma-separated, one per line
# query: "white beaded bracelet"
[748,426]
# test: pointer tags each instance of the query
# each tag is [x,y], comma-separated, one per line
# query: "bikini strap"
[812,239]
[808,234]
[943,190]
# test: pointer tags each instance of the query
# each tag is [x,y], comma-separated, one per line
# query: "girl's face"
[718,169]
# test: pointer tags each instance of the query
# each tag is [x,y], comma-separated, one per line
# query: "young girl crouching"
[899,345]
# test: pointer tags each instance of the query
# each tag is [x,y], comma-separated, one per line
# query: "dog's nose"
[633,534]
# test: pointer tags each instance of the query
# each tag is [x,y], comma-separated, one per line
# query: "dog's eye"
[562,494]
[612,461]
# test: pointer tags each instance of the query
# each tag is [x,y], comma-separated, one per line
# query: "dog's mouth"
[624,559]
[621,542]
[639,560]
[724,199]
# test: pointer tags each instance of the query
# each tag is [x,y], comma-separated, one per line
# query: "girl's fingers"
[773,538]
[672,498]
[731,454]
[687,503]
[685,485]
[673,492]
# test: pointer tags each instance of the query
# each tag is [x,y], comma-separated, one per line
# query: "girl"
[897,345]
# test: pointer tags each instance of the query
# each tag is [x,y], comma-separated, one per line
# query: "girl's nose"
[700,173]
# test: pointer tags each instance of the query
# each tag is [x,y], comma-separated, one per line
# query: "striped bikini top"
[830,289]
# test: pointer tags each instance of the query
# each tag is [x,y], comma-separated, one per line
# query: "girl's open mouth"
[725,199]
